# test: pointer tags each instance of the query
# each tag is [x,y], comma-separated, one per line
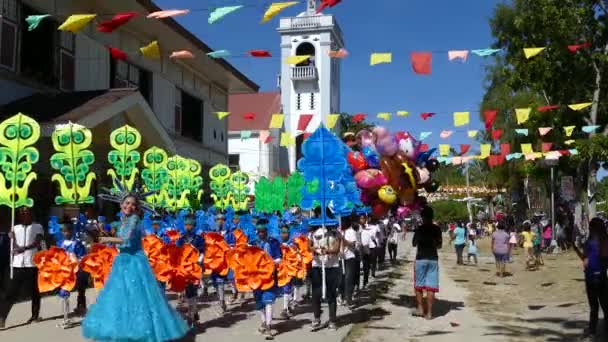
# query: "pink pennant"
[445,134]
[182,54]
[456,160]
[544,130]
[168,13]
[264,137]
[546,146]
[490,117]
[424,147]
[458,54]
[425,116]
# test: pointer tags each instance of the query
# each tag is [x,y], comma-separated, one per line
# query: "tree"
[447,211]
[347,125]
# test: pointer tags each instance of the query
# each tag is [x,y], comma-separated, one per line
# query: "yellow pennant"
[76,22]
[580,106]
[444,149]
[523,114]
[276,121]
[275,8]
[332,120]
[378,58]
[569,142]
[531,52]
[403,113]
[384,116]
[294,60]
[461,118]
[527,149]
[151,50]
[221,115]
[484,150]
[569,130]
[472,133]
[287,139]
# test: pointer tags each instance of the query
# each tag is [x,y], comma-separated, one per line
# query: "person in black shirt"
[427,239]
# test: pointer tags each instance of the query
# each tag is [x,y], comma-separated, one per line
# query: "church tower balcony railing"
[304,73]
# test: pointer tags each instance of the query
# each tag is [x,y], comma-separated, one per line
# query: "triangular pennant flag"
[569,142]
[523,114]
[552,155]
[275,8]
[445,134]
[384,116]
[358,118]
[332,120]
[168,13]
[245,135]
[496,134]
[264,136]
[221,115]
[276,121]
[327,4]
[513,156]
[576,47]
[219,54]
[542,109]
[458,54]
[505,149]
[76,22]
[260,53]
[485,52]
[403,113]
[590,129]
[546,146]
[580,106]
[421,62]
[424,135]
[221,12]
[464,148]
[151,50]
[444,149]
[117,21]
[303,121]
[424,147]
[295,60]
[526,148]
[457,160]
[569,130]
[181,54]
[380,57]
[425,116]
[117,54]
[342,53]
[485,150]
[544,130]
[461,118]
[472,133]
[249,116]
[489,117]
[531,52]
[522,131]
[34,20]
[573,151]
[287,139]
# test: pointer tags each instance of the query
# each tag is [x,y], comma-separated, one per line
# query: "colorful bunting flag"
[403,113]
[424,147]
[505,149]
[276,121]
[425,116]
[249,116]
[275,8]
[496,134]
[342,53]
[303,121]
[484,150]
[287,139]
[221,12]
[117,21]
[295,60]
[464,148]
[151,50]
[34,20]
[444,149]
[590,129]
[260,53]
[569,142]
[76,22]
[221,115]
[542,109]
[485,52]
[531,52]
[461,118]
[546,146]
[117,54]
[472,133]
[458,55]
[421,62]
[489,117]
[569,130]
[526,149]
[522,131]
[332,119]
[513,156]
[384,116]
[219,54]
[181,54]
[544,130]
[580,106]
[573,151]
[380,57]
[523,114]
[424,135]
[245,135]
[445,134]
[326,4]
[576,47]
[358,117]
[168,13]
[264,135]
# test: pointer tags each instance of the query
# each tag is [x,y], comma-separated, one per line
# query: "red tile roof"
[262,104]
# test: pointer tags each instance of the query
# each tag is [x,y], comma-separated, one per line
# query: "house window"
[9,17]
[67,67]
[234,161]
[178,111]
[127,75]
[312,100]
[192,117]
[299,102]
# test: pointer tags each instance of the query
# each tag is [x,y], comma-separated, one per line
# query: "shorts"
[426,275]
[263,297]
[538,250]
[501,258]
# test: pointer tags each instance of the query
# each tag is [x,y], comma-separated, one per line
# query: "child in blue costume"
[286,290]
[75,247]
[264,299]
[131,306]
[218,280]
[190,237]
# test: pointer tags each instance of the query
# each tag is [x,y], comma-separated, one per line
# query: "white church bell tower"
[313,86]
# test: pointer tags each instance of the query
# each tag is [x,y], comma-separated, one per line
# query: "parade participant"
[459,239]
[27,239]
[528,243]
[501,249]
[190,237]
[218,280]
[595,261]
[368,246]
[393,240]
[288,289]
[472,250]
[351,260]
[75,247]
[157,230]
[264,299]
[325,244]
[130,306]
[427,239]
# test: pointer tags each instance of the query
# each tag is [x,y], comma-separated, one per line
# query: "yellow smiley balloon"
[387,194]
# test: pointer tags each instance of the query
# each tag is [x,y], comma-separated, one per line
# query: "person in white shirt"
[27,240]
[351,260]
[393,240]
[368,247]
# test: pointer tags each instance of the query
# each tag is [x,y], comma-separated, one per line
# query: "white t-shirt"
[394,237]
[368,236]
[25,236]
[350,235]
[324,238]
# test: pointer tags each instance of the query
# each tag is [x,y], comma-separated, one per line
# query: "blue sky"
[397,26]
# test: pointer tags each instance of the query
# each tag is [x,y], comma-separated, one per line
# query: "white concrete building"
[312,87]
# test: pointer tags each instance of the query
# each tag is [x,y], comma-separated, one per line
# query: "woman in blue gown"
[131,306]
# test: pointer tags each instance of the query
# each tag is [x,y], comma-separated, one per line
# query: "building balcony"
[310,23]
[304,73]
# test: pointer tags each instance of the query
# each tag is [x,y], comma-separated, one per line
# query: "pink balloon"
[366,138]
[380,132]
[404,211]
[387,146]
[370,179]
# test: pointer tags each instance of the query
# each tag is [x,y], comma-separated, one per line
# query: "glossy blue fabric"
[131,306]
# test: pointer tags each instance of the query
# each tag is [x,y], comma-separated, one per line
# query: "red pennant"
[464,148]
[505,149]
[421,62]
[425,116]
[546,146]
[117,54]
[268,139]
[492,161]
[114,23]
[490,117]
[575,48]
[496,134]
[546,108]
[327,3]
[249,116]
[564,152]
[358,118]
[424,147]
[260,53]
[304,121]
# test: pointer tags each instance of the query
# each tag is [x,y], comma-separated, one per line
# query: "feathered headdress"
[121,191]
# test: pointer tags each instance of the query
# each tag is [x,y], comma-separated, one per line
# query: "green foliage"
[449,211]
[263,189]
[295,184]
[347,125]
[72,160]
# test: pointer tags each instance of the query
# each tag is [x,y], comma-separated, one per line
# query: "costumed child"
[190,237]
[75,247]
[264,299]
[231,241]
[288,289]
[218,280]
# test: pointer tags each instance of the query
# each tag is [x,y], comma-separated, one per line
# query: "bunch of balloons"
[389,169]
